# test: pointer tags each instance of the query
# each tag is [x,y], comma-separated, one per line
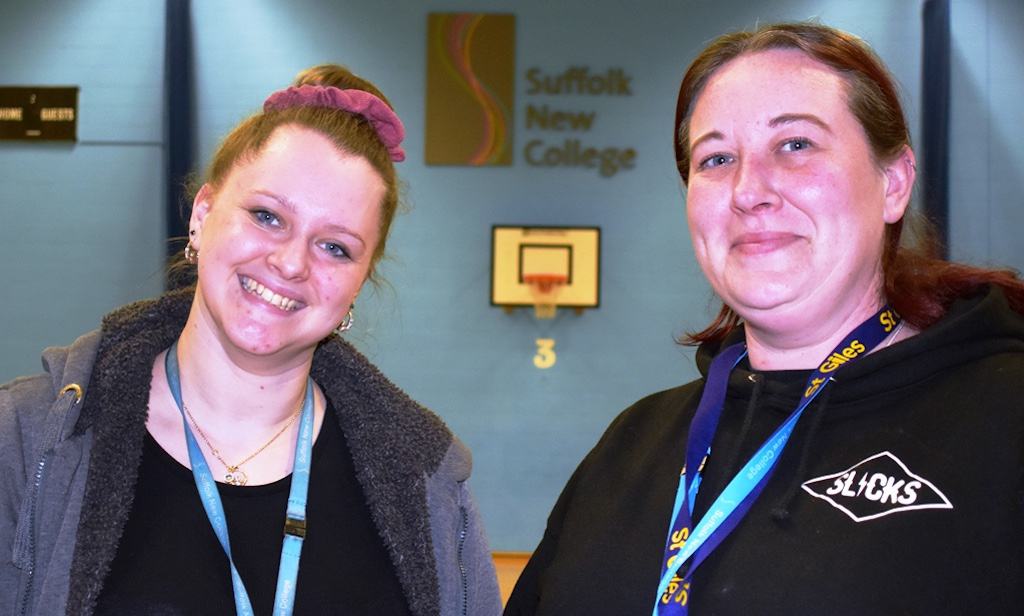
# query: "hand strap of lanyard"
[295,518]
[726,512]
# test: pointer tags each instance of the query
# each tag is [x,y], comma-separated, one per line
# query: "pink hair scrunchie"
[383,119]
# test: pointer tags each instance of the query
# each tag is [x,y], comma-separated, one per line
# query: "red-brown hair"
[917,282]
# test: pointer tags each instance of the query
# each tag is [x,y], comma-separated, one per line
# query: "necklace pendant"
[236,476]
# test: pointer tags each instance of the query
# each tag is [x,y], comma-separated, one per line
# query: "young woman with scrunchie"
[855,444]
[221,449]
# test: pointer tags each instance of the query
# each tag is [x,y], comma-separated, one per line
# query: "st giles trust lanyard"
[688,543]
[295,517]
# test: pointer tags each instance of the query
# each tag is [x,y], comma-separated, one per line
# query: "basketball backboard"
[537,266]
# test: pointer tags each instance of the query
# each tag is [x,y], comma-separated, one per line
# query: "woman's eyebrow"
[276,197]
[706,137]
[789,118]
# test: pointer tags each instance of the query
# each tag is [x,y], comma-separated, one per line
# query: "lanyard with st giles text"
[295,517]
[735,500]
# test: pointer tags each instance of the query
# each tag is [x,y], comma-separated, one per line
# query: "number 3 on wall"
[545,357]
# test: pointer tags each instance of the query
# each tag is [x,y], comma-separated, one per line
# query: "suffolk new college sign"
[471,85]
[573,150]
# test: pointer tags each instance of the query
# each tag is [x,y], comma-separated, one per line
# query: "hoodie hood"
[975,327]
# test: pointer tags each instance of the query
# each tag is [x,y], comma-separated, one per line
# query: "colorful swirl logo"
[466,65]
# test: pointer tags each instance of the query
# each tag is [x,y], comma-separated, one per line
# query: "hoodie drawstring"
[780,512]
[748,422]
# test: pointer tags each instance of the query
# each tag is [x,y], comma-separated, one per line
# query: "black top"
[901,490]
[170,562]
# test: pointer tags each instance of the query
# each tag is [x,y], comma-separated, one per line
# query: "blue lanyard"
[295,518]
[732,504]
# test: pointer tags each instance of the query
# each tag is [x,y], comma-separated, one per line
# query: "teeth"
[282,302]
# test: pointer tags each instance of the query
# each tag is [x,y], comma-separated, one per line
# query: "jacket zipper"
[31,547]
[462,565]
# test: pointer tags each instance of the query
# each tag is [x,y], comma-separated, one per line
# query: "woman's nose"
[752,188]
[290,258]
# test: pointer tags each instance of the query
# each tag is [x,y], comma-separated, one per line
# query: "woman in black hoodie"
[855,445]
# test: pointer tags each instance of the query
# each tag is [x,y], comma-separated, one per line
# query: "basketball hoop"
[544,288]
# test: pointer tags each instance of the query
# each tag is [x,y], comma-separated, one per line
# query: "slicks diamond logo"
[876,487]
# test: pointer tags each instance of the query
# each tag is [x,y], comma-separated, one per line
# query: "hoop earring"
[346,323]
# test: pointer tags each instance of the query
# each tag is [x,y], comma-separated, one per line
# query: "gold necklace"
[236,476]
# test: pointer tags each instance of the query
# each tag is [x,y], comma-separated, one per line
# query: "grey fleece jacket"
[71,443]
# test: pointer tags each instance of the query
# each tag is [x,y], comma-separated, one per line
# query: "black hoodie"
[901,490]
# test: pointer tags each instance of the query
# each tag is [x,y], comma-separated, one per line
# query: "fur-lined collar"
[395,443]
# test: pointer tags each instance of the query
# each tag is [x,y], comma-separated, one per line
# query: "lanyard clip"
[295,527]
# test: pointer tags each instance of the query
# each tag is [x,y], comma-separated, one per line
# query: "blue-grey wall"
[986,152]
[82,227]
[98,208]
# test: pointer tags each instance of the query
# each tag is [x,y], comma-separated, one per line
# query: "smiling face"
[786,204]
[285,244]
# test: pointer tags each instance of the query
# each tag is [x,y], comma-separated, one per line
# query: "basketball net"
[545,288]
